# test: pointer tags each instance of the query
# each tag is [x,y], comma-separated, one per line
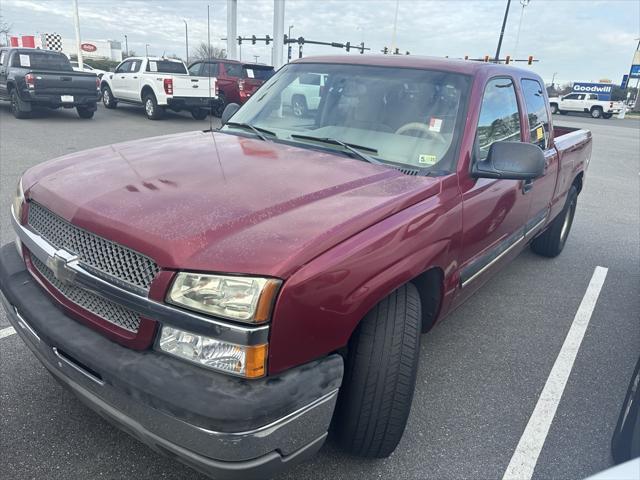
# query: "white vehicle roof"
[155,59]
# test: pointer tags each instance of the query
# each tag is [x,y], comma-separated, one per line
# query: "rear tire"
[107,98]
[380,376]
[17,106]
[151,107]
[551,242]
[607,116]
[84,112]
[596,112]
[220,105]
[625,443]
[199,113]
[562,112]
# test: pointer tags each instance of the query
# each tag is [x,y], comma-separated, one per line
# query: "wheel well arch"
[578,181]
[301,96]
[104,84]
[596,107]
[145,90]
[430,285]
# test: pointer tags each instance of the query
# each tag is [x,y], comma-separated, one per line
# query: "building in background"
[102,49]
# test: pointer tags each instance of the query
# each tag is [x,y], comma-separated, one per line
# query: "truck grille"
[105,309]
[112,262]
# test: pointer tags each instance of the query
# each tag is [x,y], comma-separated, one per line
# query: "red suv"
[236,81]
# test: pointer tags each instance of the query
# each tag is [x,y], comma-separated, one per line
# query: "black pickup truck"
[31,78]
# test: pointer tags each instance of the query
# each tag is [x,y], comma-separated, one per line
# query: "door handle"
[527,185]
[135,77]
[122,76]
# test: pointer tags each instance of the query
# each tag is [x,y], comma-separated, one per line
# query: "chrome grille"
[101,257]
[105,309]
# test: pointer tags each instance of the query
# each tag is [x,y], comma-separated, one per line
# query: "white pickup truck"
[585,102]
[157,84]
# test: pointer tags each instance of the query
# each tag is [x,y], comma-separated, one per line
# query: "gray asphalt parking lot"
[481,370]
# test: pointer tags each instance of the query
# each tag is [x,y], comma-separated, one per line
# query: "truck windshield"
[409,117]
[42,61]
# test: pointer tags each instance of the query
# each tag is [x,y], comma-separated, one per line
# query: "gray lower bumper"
[253,453]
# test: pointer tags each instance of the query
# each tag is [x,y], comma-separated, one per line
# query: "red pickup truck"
[230,296]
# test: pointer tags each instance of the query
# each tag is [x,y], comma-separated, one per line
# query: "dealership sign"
[602,89]
[635,71]
[88,47]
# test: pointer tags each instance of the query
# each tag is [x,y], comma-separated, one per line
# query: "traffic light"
[347,46]
[466,57]
[486,58]
[385,50]
[361,48]
[239,40]
[530,61]
[253,39]
[397,52]
[267,39]
[507,60]
[407,52]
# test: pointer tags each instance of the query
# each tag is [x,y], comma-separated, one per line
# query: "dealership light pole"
[186,40]
[504,24]
[395,27]
[289,45]
[278,33]
[126,46]
[76,22]
[146,49]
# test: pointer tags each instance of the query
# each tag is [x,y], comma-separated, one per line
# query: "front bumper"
[223,426]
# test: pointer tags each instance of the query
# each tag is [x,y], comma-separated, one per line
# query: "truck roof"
[468,67]
[155,59]
[30,50]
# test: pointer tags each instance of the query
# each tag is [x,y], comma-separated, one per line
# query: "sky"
[577,40]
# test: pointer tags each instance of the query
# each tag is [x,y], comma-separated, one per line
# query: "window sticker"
[540,133]
[424,159]
[153,66]
[250,73]
[435,124]
[25,61]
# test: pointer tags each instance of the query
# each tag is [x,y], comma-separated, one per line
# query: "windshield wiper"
[259,131]
[355,149]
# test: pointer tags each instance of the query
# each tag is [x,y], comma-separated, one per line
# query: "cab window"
[536,113]
[499,116]
[194,70]
[124,67]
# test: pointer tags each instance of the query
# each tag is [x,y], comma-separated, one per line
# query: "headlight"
[246,299]
[18,201]
[244,361]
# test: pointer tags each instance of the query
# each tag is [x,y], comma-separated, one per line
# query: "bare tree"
[5,28]
[204,51]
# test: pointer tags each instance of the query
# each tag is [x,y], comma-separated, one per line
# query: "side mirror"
[229,111]
[511,161]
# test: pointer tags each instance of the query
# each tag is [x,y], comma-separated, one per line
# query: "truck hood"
[223,203]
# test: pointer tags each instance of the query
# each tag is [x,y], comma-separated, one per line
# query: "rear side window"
[166,66]
[233,70]
[536,112]
[209,70]
[310,79]
[499,116]
[194,69]
[41,61]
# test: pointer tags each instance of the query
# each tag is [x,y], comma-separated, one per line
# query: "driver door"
[494,211]
[118,81]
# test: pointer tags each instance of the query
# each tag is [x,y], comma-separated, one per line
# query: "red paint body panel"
[341,233]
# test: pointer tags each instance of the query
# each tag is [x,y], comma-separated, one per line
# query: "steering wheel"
[422,130]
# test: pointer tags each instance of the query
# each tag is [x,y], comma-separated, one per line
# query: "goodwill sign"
[602,89]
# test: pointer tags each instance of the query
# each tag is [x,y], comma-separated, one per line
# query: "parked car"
[31,78]
[236,81]
[227,296]
[87,68]
[303,94]
[585,102]
[158,84]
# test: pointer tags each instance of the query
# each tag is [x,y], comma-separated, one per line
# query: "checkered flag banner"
[52,41]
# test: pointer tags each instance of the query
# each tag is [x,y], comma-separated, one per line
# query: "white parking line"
[6,332]
[524,459]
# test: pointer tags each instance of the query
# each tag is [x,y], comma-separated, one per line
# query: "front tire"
[107,98]
[84,112]
[17,106]
[551,242]
[380,376]
[299,106]
[151,107]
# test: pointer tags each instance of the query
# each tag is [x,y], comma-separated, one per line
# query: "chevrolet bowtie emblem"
[59,265]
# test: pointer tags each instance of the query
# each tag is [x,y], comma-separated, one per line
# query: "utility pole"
[126,46]
[232,29]
[186,40]
[278,33]
[76,22]
[146,49]
[395,27]
[504,24]
[524,3]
